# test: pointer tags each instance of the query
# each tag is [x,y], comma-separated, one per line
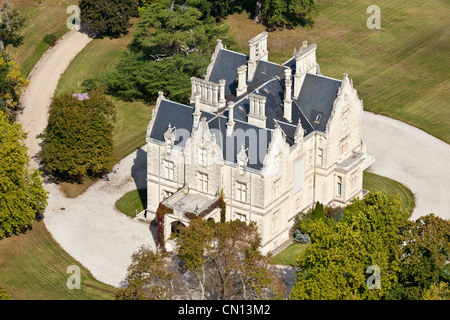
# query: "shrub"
[50,39]
[300,237]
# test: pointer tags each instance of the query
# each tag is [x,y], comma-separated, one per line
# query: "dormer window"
[318,117]
[203,156]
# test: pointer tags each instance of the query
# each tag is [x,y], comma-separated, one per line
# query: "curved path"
[103,240]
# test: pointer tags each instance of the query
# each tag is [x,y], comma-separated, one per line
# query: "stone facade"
[304,155]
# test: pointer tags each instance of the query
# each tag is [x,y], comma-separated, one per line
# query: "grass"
[289,255]
[99,56]
[41,19]
[400,70]
[133,202]
[34,267]
[374,182]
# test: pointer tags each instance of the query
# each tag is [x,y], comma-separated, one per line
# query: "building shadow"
[139,175]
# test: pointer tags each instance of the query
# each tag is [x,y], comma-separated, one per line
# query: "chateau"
[271,139]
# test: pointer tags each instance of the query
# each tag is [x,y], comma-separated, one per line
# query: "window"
[241,192]
[343,147]
[339,186]
[354,180]
[203,182]
[320,157]
[276,189]
[203,155]
[241,216]
[318,117]
[168,170]
[275,221]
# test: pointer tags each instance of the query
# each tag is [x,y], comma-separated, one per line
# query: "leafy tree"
[78,139]
[11,23]
[226,261]
[288,13]
[151,276]
[4,295]
[210,261]
[334,266]
[12,82]
[172,43]
[22,196]
[425,252]
[109,17]
[437,292]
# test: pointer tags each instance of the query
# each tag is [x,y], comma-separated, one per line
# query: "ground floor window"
[339,186]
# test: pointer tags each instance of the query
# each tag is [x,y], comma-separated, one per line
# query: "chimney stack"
[305,61]
[197,112]
[222,101]
[288,95]
[242,80]
[230,123]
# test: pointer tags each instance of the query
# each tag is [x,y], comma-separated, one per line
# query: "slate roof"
[313,107]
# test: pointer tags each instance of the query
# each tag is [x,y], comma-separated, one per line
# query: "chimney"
[230,123]
[222,101]
[258,51]
[242,80]
[305,61]
[257,112]
[197,112]
[288,95]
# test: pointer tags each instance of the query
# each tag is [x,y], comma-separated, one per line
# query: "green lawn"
[50,17]
[401,70]
[34,267]
[374,182]
[288,256]
[133,202]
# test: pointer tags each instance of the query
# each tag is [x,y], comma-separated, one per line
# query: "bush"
[50,39]
[300,237]
[336,213]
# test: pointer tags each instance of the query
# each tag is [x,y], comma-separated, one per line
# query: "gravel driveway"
[92,231]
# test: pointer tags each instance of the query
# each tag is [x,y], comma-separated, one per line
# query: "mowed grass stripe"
[401,70]
[34,267]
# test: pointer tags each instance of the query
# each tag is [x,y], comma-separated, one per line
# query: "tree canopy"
[210,261]
[109,17]
[12,82]
[172,43]
[335,265]
[11,23]
[78,139]
[22,195]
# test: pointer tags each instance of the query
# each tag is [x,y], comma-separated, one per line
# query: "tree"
[78,139]
[288,13]
[11,23]
[172,43]
[12,83]
[336,263]
[22,195]
[4,295]
[213,261]
[109,17]
[425,252]
[151,276]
